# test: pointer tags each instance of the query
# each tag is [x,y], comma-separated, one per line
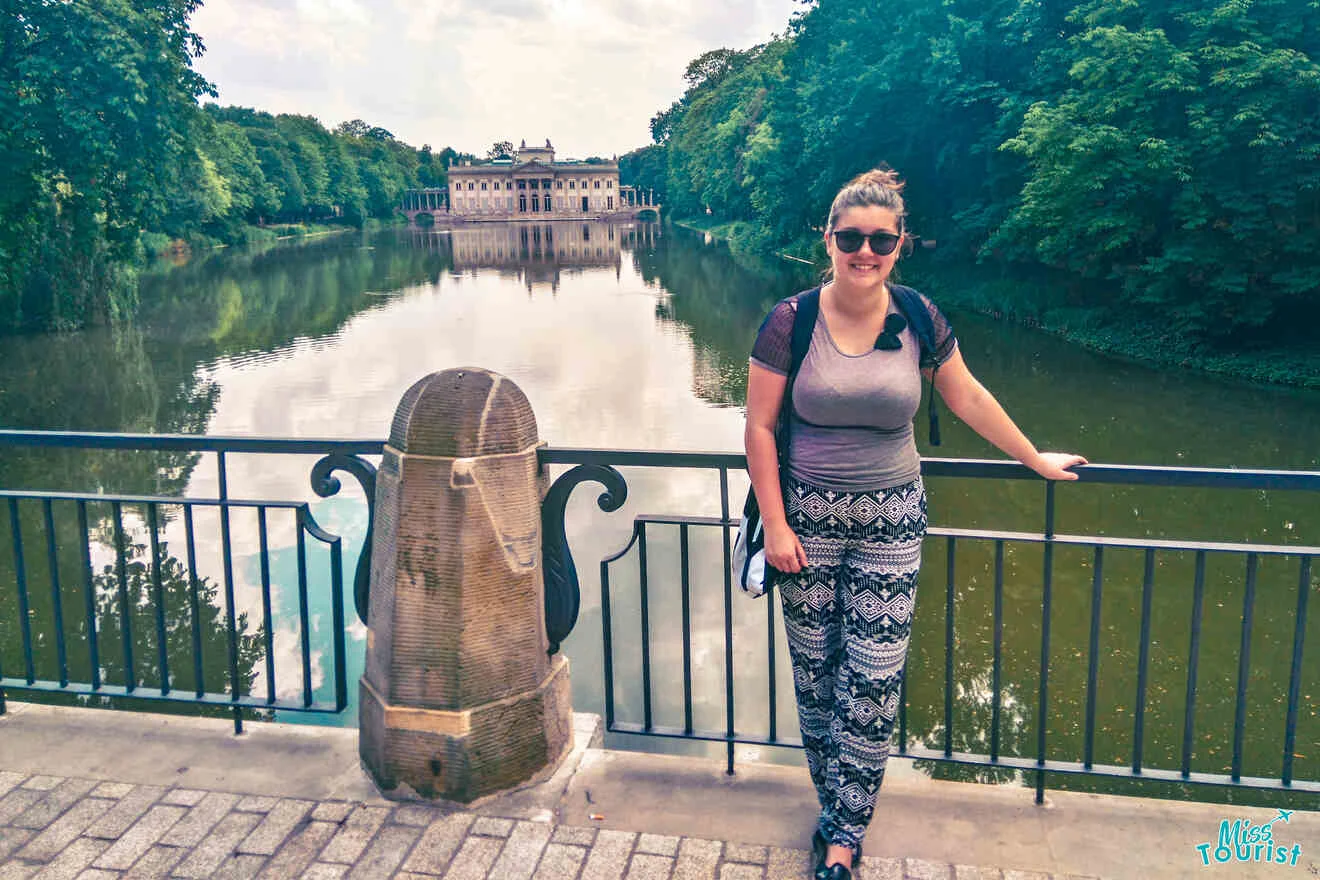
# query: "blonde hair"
[879,187]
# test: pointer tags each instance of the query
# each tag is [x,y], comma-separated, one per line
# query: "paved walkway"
[93,794]
[79,828]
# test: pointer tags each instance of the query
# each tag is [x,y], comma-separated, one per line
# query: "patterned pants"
[848,616]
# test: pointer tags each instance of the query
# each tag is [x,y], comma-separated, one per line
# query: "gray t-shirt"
[852,415]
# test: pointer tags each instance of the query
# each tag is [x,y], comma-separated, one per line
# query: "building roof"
[534,166]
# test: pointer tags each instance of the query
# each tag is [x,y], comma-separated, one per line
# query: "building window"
[536,202]
[536,184]
[570,184]
[559,184]
[560,203]
[522,203]
[522,184]
[497,186]
[510,203]
[609,202]
[609,184]
[483,186]
[545,183]
[470,186]
[596,183]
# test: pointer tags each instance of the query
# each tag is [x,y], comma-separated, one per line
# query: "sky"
[587,74]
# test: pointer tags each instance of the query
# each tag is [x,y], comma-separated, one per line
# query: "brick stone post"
[459,698]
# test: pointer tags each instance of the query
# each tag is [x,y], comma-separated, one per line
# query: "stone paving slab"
[186,833]
[88,826]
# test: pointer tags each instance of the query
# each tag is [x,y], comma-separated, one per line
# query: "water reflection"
[537,253]
[643,344]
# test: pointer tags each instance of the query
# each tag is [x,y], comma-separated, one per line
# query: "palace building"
[532,185]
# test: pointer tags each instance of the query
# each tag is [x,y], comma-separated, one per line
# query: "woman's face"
[863,268]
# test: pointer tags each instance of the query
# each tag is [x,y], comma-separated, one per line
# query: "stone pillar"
[459,698]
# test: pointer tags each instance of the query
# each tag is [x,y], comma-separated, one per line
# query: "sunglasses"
[882,243]
[888,339]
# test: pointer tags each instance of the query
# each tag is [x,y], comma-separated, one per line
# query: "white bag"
[748,560]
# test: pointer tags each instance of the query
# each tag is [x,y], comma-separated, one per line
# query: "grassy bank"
[157,246]
[1033,303]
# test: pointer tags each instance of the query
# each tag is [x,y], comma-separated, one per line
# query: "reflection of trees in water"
[99,380]
[189,625]
[720,300]
[148,378]
[182,620]
[264,299]
[1118,658]
[973,701]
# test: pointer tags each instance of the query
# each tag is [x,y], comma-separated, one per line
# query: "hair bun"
[882,176]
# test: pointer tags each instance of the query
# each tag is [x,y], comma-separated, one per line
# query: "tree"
[356,128]
[1177,170]
[500,150]
[645,169]
[97,103]
[710,67]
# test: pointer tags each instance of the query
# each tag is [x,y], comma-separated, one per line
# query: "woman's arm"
[765,394]
[976,406]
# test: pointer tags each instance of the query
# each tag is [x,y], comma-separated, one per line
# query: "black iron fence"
[1059,743]
[683,656]
[151,626]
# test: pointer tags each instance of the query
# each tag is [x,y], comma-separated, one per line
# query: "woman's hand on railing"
[1055,465]
[783,550]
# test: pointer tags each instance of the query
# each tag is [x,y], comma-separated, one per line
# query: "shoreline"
[1281,367]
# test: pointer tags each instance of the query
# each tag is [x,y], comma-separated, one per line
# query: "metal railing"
[601,465]
[169,597]
[132,594]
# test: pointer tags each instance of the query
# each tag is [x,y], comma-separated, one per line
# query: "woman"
[843,525]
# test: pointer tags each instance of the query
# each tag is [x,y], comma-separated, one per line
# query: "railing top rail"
[188,442]
[1125,543]
[171,500]
[1150,475]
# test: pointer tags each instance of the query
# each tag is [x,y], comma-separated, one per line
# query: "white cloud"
[588,74]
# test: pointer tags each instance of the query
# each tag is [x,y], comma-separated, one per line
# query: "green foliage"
[647,169]
[96,104]
[105,156]
[1162,156]
[1178,168]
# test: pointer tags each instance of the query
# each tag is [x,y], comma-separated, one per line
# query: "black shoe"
[834,872]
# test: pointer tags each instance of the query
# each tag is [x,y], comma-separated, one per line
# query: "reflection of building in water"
[540,250]
[532,185]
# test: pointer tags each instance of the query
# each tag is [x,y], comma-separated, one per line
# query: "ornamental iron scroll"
[325,484]
[562,596]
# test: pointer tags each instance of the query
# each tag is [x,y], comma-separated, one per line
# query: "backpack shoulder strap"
[804,322]
[914,309]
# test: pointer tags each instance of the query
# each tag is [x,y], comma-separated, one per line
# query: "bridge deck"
[162,796]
